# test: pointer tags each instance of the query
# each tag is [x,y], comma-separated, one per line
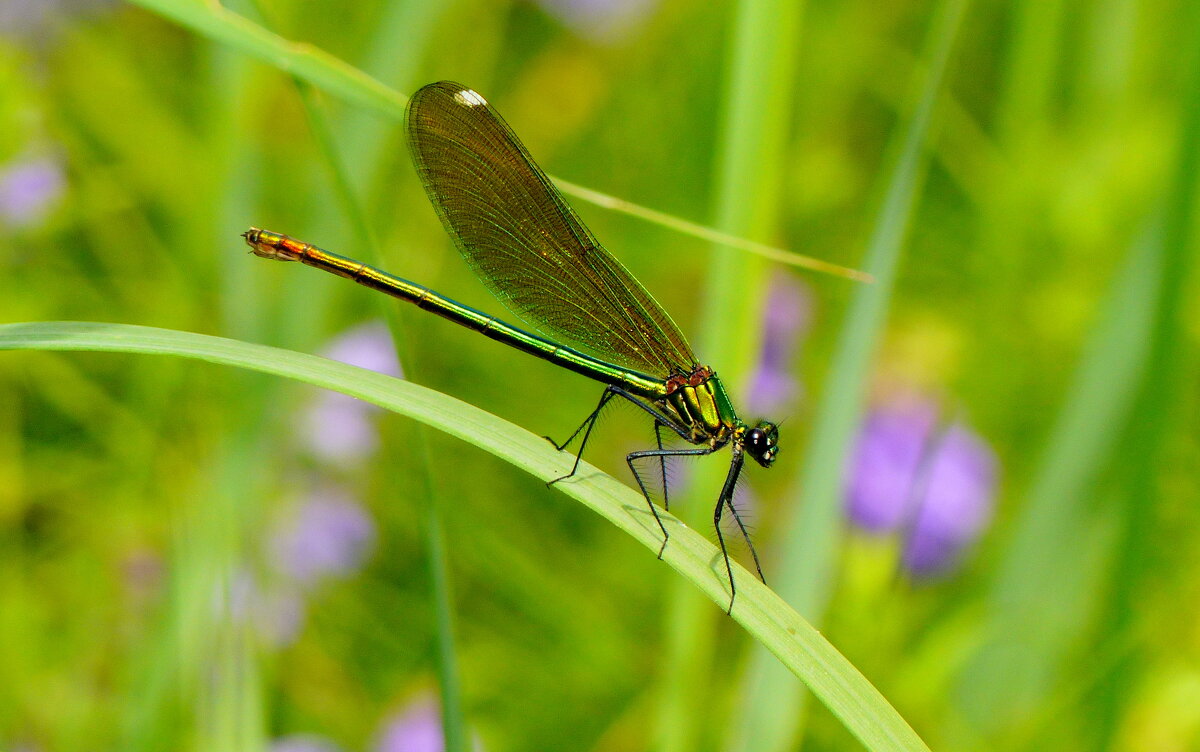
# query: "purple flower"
[339,428]
[280,614]
[786,321]
[369,346]
[28,189]
[599,20]
[935,487]
[277,614]
[956,504]
[330,535]
[303,743]
[884,462]
[418,728]
[35,17]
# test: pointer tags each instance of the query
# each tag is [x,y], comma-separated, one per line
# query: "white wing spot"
[470,98]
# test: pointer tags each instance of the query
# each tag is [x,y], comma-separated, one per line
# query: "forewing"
[525,243]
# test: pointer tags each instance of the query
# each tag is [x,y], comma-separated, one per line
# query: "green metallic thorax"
[704,407]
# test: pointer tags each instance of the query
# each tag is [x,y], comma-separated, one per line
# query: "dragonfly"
[587,312]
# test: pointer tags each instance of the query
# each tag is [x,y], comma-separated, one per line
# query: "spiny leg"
[610,391]
[746,535]
[587,424]
[735,469]
[605,396]
[661,454]
[662,462]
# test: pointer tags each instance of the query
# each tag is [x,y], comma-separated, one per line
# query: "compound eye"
[756,439]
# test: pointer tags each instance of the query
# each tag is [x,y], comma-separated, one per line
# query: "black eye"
[756,438]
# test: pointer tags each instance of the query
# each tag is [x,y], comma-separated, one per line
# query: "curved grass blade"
[525,243]
[847,694]
[712,235]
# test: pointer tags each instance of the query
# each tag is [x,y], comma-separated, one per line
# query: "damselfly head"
[762,442]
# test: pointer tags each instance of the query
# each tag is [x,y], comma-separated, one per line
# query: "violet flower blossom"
[277,614]
[935,487]
[417,728]
[338,428]
[957,502]
[330,535]
[303,743]
[28,189]
[36,18]
[599,20]
[785,323]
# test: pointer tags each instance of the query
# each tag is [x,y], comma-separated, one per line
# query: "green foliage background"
[1035,271]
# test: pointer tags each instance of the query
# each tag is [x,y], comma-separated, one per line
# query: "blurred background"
[986,497]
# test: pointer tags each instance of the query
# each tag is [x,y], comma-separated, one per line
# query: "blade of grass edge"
[843,689]
[772,712]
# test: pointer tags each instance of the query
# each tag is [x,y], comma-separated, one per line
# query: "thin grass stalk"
[230,704]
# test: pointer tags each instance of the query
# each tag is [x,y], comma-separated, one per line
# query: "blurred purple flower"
[786,321]
[142,571]
[599,20]
[35,17]
[956,505]
[417,728]
[884,463]
[329,535]
[367,345]
[28,188]
[337,427]
[934,486]
[303,743]
[280,615]
[276,614]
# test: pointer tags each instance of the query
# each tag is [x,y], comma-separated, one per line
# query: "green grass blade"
[334,76]
[712,235]
[772,715]
[844,690]
[1157,428]
[304,61]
